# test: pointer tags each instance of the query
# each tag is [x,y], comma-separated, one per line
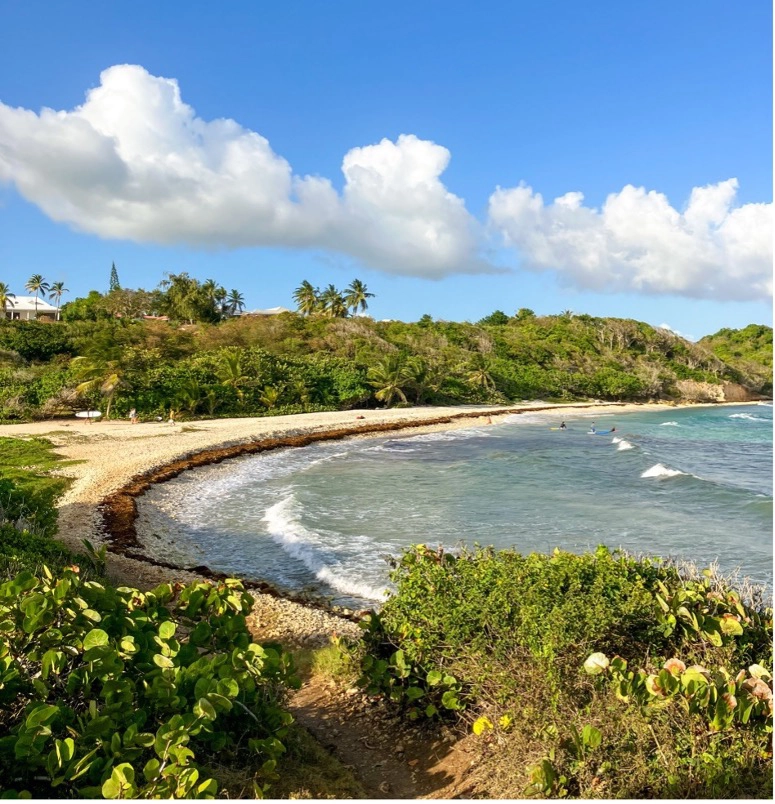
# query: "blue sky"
[562,97]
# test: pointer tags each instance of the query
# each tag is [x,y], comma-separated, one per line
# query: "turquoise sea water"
[694,483]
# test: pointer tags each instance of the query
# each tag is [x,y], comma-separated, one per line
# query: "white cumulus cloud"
[677,332]
[135,162]
[639,242]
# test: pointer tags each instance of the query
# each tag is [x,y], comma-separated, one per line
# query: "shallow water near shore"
[693,483]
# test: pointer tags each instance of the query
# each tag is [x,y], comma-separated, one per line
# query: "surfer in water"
[562,426]
[592,428]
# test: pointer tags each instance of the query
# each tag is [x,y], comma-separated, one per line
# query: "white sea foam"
[622,444]
[528,418]
[389,448]
[454,435]
[660,470]
[669,424]
[325,459]
[285,528]
[747,416]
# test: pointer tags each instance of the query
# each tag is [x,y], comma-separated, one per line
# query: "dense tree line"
[179,297]
[294,362]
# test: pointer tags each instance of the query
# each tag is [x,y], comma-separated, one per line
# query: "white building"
[268,311]
[22,308]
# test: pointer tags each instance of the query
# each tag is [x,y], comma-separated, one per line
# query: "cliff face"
[692,391]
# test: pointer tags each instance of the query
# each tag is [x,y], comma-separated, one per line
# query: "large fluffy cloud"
[135,162]
[639,242]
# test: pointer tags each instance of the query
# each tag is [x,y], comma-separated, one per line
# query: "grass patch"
[29,490]
[333,661]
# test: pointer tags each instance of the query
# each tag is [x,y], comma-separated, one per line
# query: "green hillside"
[749,350]
[289,363]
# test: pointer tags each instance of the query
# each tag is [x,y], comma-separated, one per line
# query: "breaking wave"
[285,528]
[660,470]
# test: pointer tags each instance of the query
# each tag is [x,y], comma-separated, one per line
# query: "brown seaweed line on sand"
[119,510]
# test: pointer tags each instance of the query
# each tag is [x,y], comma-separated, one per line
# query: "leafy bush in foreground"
[500,639]
[469,615]
[117,693]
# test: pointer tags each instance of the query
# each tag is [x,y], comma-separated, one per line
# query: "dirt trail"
[391,759]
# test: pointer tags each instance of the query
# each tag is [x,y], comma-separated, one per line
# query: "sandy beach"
[117,455]
[111,454]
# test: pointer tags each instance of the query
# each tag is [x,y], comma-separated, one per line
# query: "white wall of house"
[22,308]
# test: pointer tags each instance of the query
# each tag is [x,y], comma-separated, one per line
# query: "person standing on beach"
[133,416]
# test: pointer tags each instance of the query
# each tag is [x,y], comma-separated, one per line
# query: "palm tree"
[390,378]
[188,396]
[333,303]
[102,367]
[235,302]
[479,372]
[422,377]
[5,297]
[36,284]
[210,288]
[222,307]
[356,295]
[270,396]
[307,298]
[230,371]
[57,289]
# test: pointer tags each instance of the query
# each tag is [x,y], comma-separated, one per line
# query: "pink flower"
[674,666]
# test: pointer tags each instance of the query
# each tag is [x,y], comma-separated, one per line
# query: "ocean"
[692,483]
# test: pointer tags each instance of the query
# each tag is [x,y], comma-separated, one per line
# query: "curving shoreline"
[118,462]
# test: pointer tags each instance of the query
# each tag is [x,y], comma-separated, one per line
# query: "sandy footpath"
[111,454]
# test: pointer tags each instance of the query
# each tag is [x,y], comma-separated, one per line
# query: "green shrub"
[117,693]
[472,616]
[35,340]
[501,639]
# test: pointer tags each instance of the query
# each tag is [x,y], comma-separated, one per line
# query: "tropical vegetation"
[332,302]
[748,350]
[183,349]
[573,668]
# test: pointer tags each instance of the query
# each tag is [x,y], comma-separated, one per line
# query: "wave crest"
[660,470]
[285,528]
